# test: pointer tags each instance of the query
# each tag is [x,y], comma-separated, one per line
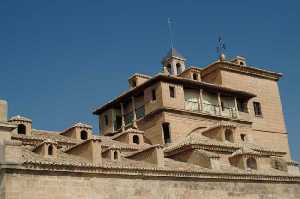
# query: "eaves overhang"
[175,80]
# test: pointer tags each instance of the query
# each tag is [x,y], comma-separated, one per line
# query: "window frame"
[172,92]
[153,95]
[257,109]
[106,121]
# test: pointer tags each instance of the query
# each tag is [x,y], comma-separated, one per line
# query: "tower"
[173,62]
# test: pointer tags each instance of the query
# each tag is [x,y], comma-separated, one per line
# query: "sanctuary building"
[187,132]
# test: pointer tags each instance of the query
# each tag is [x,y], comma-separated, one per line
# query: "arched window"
[50,150]
[229,135]
[83,135]
[251,163]
[136,139]
[178,68]
[115,155]
[21,129]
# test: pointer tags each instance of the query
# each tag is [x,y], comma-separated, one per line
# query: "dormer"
[239,61]
[79,131]
[153,155]
[113,153]
[137,79]
[47,148]
[130,136]
[193,73]
[173,63]
[246,159]
[24,125]
[222,132]
[89,149]
[193,155]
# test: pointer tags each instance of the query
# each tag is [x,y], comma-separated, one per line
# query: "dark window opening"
[241,105]
[195,76]
[241,63]
[115,155]
[21,129]
[50,150]
[83,135]
[118,123]
[243,137]
[166,132]
[257,109]
[106,120]
[133,83]
[172,91]
[153,95]
[251,163]
[136,139]
[178,68]
[229,135]
[222,106]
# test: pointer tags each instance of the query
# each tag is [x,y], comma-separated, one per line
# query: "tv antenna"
[170,32]
[221,48]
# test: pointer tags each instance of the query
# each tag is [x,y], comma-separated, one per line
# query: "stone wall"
[55,186]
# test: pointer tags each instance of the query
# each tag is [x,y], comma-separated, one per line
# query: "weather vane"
[221,48]
[170,32]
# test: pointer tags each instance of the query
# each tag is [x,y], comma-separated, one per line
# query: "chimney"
[3,110]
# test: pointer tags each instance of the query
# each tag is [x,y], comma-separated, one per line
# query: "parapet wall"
[44,185]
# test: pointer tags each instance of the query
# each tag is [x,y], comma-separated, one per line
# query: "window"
[50,150]
[106,120]
[178,68]
[243,137]
[172,91]
[229,135]
[21,129]
[195,76]
[241,63]
[83,135]
[115,155]
[166,132]
[136,139]
[133,83]
[153,95]
[257,109]
[241,105]
[251,163]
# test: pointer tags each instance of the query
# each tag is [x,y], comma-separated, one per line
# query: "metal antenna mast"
[221,48]
[170,32]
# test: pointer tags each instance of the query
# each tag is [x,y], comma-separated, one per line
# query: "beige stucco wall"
[54,186]
[268,130]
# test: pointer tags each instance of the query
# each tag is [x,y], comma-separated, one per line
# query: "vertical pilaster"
[200,101]
[236,108]
[134,124]
[123,119]
[220,103]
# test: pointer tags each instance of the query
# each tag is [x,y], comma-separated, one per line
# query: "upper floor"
[227,89]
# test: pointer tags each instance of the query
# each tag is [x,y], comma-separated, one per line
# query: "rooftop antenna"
[221,48]
[170,32]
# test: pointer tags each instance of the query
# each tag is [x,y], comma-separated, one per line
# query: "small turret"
[173,63]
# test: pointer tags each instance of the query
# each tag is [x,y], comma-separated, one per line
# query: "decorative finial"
[170,33]
[221,48]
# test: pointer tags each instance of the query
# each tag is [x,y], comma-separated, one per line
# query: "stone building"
[188,132]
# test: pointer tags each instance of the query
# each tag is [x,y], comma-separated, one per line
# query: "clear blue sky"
[61,59]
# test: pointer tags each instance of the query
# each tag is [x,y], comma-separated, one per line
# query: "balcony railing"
[211,109]
[140,112]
